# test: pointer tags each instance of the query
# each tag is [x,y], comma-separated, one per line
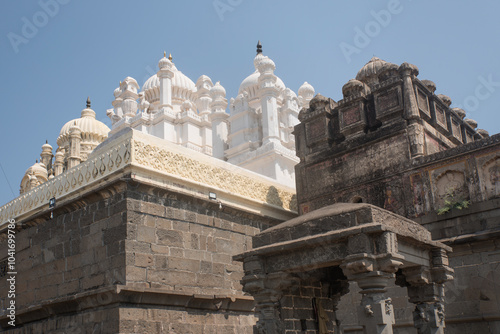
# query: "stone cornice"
[125,295]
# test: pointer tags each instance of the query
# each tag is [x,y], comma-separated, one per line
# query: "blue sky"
[55,53]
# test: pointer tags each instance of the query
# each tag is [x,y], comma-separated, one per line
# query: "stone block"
[116,248]
[222,258]
[46,292]
[169,277]
[203,242]
[195,241]
[175,251]
[132,313]
[180,226]
[161,261]
[146,234]
[162,223]
[144,260]
[209,280]
[171,238]
[68,288]
[135,274]
[160,249]
[137,246]
[218,268]
[53,279]
[100,253]
[225,246]
[483,246]
[150,220]
[196,254]
[183,264]
[92,281]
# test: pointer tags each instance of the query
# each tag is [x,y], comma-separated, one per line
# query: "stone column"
[129,96]
[59,161]
[411,112]
[426,290]
[408,72]
[267,291]
[373,273]
[75,138]
[218,118]
[268,93]
[46,155]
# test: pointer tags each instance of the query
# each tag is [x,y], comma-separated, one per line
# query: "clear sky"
[55,53]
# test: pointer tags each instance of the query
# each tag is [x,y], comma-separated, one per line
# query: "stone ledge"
[339,217]
[328,238]
[121,294]
[474,208]
[455,152]
[473,237]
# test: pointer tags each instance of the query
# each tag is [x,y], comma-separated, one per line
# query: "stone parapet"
[141,155]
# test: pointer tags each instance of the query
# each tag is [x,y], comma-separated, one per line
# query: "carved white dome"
[38,169]
[251,84]
[182,87]
[306,90]
[38,172]
[217,90]
[92,129]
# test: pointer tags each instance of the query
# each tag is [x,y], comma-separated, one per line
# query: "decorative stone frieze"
[136,152]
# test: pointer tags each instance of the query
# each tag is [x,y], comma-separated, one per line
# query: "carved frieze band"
[94,169]
[148,155]
[176,164]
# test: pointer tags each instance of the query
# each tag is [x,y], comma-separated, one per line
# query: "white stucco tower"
[261,120]
[170,106]
[256,133]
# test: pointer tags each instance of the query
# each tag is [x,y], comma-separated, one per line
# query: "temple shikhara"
[272,212]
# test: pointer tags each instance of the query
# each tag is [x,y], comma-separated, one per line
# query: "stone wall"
[149,258]
[99,320]
[179,243]
[157,319]
[298,307]
[81,249]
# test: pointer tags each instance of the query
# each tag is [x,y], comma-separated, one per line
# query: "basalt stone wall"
[158,319]
[473,297]
[98,320]
[134,258]
[75,252]
[382,173]
[354,172]
[299,307]
[180,243]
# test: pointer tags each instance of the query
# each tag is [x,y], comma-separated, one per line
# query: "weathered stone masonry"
[139,252]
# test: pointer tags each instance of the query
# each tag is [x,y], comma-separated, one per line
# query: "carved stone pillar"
[428,297]
[416,139]
[426,291]
[267,291]
[408,72]
[373,273]
[411,112]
